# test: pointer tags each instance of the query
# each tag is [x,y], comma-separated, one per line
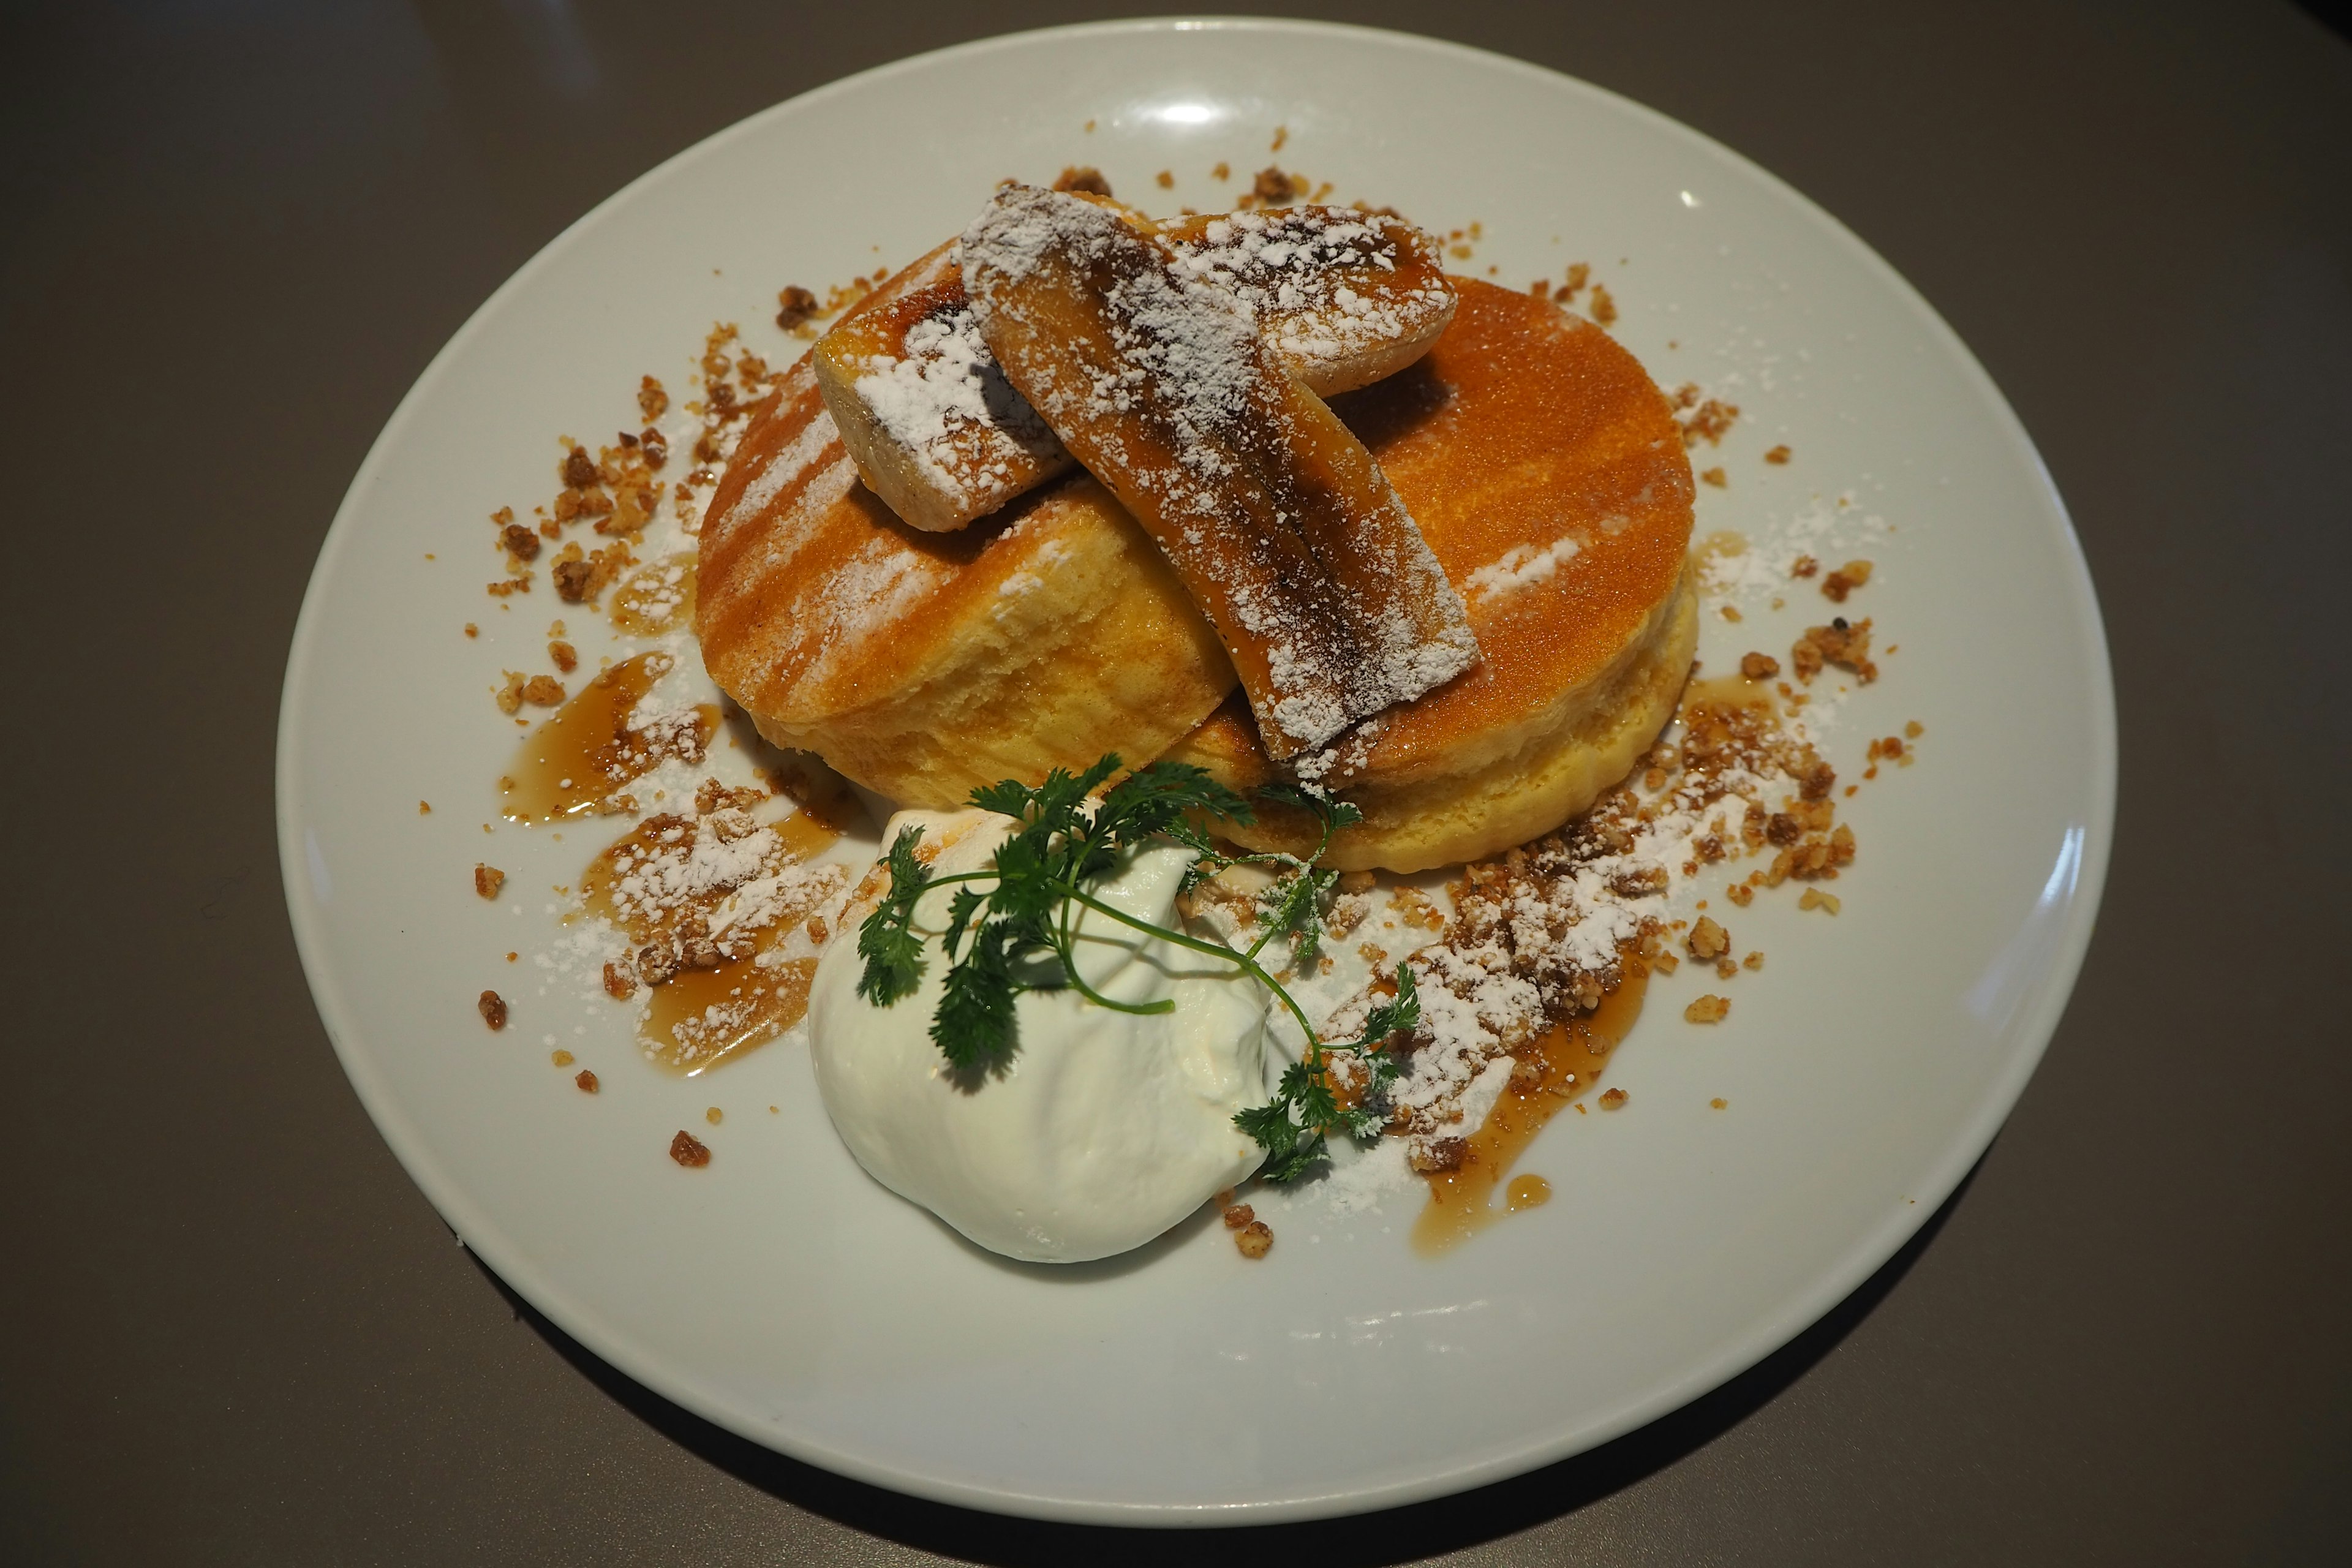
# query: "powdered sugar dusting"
[1181,408]
[946,401]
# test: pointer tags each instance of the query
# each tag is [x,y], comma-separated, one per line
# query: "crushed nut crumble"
[795,308]
[1845,580]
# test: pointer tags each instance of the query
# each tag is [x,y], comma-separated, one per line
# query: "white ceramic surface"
[782,1294]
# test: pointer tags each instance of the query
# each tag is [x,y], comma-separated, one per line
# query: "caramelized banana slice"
[924,412]
[1345,298]
[938,434]
[1276,518]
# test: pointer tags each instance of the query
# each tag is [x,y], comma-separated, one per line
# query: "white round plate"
[783,1295]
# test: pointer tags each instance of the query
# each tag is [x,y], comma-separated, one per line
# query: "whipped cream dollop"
[1101,1129]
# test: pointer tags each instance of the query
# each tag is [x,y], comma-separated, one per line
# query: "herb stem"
[1066,951]
[1246,961]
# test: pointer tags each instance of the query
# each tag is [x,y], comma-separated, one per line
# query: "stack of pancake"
[1542,467]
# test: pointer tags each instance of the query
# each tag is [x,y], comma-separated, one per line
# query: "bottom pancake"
[1559,770]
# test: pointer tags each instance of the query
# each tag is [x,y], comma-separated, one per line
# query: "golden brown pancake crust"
[1547,475]
[922,664]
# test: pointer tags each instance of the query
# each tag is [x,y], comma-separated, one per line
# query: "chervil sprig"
[1296,1126]
[1041,877]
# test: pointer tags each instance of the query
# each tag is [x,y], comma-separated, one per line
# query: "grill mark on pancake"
[794,460]
[862,598]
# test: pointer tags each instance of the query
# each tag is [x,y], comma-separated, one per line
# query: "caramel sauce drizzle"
[701,1017]
[1573,1055]
[572,764]
[657,599]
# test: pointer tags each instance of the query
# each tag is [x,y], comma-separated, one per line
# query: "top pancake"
[1547,475]
[922,664]
[1544,468]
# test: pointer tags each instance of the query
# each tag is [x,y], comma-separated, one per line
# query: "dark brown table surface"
[231,1330]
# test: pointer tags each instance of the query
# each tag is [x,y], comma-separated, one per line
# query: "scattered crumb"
[1715,477]
[1666,964]
[1740,893]
[1614,1099]
[1604,309]
[562,1058]
[714,1116]
[1255,1239]
[1753,961]
[1814,898]
[1222,171]
[1165,179]
[587,1082]
[1709,418]
[488,879]
[1274,187]
[1238,1216]
[1845,580]
[1845,645]
[1708,940]
[1803,566]
[1718,1102]
[1731,613]
[1759,666]
[1709,1009]
[689,1151]
[1281,134]
[1083,177]
[795,308]
[564,656]
[1914,729]
[472,630]
[493,1008]
[620,979]
[542,691]
[1777,455]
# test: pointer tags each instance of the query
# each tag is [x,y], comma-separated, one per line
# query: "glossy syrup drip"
[574,763]
[1461,1201]
[657,599]
[701,1017]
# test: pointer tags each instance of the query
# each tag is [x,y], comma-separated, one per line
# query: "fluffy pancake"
[922,664]
[1549,476]
[1542,464]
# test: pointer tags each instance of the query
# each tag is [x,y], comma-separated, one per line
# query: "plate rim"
[1869,1252]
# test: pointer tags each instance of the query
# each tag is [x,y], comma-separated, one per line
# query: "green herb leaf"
[1401,1011]
[1294,1162]
[1329,809]
[973,1026]
[886,940]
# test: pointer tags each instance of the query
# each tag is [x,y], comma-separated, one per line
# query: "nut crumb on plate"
[1707,1009]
